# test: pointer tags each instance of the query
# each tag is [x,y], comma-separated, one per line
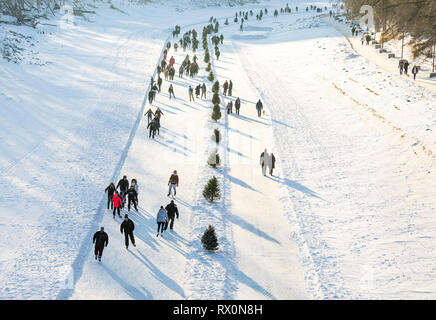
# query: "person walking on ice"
[265,161]
[225,87]
[132,196]
[117,203]
[237,105]
[173,182]
[273,164]
[172,212]
[152,127]
[203,91]
[171,91]
[134,184]
[259,107]
[110,193]
[159,113]
[100,240]
[230,88]
[149,115]
[415,72]
[191,94]
[127,227]
[159,83]
[162,220]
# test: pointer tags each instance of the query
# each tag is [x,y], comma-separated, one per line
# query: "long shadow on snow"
[146,229]
[131,291]
[282,123]
[249,227]
[174,149]
[159,275]
[250,119]
[243,133]
[173,133]
[295,185]
[240,183]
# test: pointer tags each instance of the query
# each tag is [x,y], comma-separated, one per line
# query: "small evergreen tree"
[216,87]
[175,46]
[206,56]
[216,113]
[168,45]
[227,22]
[212,190]
[216,99]
[209,67]
[209,239]
[211,77]
[235,20]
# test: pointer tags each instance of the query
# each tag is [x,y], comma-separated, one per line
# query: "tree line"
[397,18]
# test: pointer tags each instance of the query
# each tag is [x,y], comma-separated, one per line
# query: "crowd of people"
[125,192]
[124,195]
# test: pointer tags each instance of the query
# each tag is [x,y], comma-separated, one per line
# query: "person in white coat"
[162,219]
[265,161]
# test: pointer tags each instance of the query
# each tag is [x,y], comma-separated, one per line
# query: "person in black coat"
[110,193]
[259,107]
[237,105]
[100,240]
[273,164]
[152,126]
[132,195]
[415,72]
[127,227]
[123,184]
[172,212]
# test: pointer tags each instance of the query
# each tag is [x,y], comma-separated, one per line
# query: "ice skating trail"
[256,260]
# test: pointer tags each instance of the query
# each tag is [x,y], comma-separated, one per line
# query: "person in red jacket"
[173,182]
[117,203]
[172,61]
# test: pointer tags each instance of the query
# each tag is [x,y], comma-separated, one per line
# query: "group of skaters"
[189,68]
[118,195]
[116,201]
[154,120]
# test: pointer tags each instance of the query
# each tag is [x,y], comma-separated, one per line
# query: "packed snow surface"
[348,213]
